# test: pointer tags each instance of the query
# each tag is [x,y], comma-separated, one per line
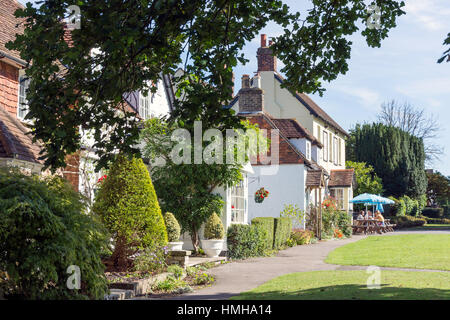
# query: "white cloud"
[368,98]
[431,14]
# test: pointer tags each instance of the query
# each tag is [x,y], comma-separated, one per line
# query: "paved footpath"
[240,276]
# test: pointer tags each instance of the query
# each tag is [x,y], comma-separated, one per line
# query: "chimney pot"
[245,81]
[263,40]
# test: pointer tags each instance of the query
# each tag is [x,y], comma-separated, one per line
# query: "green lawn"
[418,251]
[327,285]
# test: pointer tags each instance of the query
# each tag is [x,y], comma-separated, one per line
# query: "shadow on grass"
[350,292]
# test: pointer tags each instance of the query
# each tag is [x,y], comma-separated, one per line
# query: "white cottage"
[311,146]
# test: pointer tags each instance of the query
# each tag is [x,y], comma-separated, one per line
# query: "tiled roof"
[314,178]
[341,178]
[291,129]
[314,108]
[14,142]
[9,25]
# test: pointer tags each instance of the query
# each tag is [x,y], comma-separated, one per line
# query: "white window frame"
[238,202]
[308,150]
[22,102]
[325,146]
[335,151]
[146,102]
[338,195]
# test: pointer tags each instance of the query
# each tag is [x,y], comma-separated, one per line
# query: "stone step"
[119,294]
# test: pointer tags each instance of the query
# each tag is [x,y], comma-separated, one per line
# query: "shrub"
[344,223]
[400,208]
[245,241]
[176,270]
[202,279]
[300,236]
[268,224]
[151,259]
[407,222]
[129,208]
[282,232]
[437,220]
[433,212]
[214,228]
[415,211]
[422,202]
[44,229]
[409,204]
[294,213]
[172,227]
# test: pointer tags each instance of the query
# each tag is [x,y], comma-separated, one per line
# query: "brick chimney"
[251,100]
[266,61]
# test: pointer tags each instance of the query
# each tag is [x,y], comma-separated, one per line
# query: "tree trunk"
[120,255]
[194,238]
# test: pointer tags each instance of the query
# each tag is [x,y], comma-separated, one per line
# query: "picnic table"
[369,226]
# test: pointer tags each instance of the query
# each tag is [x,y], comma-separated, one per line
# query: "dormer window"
[22,108]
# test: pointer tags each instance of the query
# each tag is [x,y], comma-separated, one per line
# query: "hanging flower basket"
[260,195]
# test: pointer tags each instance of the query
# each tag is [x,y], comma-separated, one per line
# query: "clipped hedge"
[268,224]
[433,212]
[245,241]
[437,220]
[282,232]
[407,222]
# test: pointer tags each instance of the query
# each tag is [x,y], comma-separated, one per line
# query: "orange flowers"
[338,233]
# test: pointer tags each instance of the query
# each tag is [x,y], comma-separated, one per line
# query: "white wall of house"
[286,187]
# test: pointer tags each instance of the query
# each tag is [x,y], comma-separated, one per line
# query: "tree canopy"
[122,46]
[438,190]
[188,190]
[397,157]
[367,180]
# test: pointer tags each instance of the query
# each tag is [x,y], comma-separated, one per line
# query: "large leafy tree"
[123,45]
[366,179]
[438,190]
[397,157]
[189,190]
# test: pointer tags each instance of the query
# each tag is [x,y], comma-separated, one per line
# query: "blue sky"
[404,68]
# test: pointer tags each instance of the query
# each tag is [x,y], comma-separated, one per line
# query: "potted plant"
[173,232]
[214,234]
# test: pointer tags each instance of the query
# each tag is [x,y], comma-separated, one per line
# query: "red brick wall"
[266,61]
[9,86]
[71,172]
[286,152]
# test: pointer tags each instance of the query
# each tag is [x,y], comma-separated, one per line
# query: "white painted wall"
[286,187]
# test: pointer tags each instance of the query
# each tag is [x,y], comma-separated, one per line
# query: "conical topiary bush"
[172,226]
[129,208]
[214,228]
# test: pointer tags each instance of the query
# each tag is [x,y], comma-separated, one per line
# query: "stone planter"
[212,248]
[176,246]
